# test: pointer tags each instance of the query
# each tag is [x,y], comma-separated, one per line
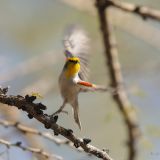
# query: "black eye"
[73,61]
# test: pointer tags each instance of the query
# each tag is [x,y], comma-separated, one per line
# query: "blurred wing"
[76,44]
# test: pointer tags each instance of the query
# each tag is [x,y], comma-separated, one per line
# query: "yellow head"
[72,67]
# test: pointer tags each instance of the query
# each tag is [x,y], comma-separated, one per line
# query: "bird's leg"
[60,109]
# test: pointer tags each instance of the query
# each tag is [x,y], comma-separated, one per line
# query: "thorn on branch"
[137,11]
[55,133]
[99,155]
[41,106]
[30,98]
[23,108]
[105,150]
[55,118]
[86,140]
[30,116]
[77,144]
[47,126]
[18,143]
[69,132]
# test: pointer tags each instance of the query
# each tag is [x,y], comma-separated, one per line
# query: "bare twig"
[30,149]
[36,110]
[116,78]
[142,11]
[28,130]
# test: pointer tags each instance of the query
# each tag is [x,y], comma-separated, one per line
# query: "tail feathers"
[77,120]
[76,114]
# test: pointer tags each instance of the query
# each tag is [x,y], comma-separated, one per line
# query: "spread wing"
[76,44]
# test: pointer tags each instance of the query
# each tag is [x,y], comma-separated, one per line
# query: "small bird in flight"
[74,76]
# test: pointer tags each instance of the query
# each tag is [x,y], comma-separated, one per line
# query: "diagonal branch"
[116,79]
[30,149]
[36,110]
[142,11]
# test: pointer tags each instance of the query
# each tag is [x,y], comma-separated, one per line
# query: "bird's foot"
[66,112]
[59,111]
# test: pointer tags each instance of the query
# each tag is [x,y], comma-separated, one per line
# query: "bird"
[74,76]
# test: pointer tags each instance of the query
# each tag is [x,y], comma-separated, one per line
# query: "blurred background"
[31,59]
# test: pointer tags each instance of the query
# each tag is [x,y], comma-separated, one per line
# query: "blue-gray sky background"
[31,59]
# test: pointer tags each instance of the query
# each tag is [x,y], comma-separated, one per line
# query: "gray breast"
[69,90]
